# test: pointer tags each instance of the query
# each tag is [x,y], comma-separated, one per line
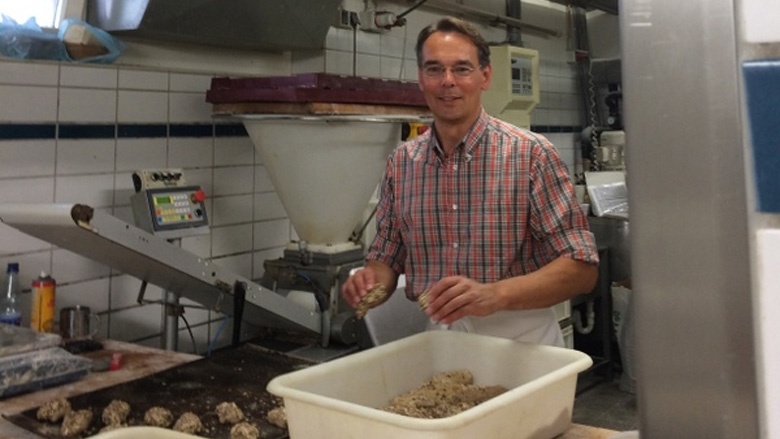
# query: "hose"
[590,316]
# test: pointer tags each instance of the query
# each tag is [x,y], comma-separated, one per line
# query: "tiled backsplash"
[75,133]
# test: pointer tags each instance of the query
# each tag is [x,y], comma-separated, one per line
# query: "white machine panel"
[514,87]
[760,20]
[768,306]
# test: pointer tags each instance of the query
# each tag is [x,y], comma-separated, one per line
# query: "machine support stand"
[171,312]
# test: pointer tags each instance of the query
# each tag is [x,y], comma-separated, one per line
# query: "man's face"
[451,79]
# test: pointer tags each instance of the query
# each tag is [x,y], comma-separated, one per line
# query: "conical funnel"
[324,168]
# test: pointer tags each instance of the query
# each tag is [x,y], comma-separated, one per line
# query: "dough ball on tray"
[158,417]
[53,411]
[229,413]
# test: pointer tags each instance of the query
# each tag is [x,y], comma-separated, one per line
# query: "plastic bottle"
[9,301]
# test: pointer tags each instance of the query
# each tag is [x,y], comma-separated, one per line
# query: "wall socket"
[345,18]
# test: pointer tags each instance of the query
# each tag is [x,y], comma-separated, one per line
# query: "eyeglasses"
[434,71]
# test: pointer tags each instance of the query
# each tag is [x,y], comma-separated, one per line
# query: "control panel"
[165,205]
[514,88]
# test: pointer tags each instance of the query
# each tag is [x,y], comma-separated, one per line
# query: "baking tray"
[39,369]
[237,374]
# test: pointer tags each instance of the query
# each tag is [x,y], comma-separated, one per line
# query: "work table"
[139,361]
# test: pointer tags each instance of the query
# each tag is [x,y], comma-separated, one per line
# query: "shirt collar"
[470,141]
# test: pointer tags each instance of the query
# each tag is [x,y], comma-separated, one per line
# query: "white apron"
[538,326]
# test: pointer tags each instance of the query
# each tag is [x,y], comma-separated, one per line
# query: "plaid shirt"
[500,206]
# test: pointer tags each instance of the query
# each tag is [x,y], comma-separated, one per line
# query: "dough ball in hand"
[375,296]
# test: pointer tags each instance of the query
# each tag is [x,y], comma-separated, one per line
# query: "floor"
[601,403]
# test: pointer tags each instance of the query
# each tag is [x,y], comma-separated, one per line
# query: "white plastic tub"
[143,432]
[339,399]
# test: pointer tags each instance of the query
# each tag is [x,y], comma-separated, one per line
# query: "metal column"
[689,218]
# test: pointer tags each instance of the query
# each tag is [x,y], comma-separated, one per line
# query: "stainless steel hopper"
[324,140]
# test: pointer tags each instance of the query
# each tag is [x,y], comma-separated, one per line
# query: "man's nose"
[448,76]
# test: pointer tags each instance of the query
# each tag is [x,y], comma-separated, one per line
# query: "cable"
[192,336]
[593,115]
[403,63]
[404,13]
[319,295]
[239,298]
[216,336]
[354,21]
[358,235]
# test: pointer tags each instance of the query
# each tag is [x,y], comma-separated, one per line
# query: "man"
[479,214]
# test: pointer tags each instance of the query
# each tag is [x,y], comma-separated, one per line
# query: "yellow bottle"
[43,288]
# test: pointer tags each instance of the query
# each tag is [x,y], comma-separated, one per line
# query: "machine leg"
[171,312]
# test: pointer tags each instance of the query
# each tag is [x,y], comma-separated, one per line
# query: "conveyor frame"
[106,239]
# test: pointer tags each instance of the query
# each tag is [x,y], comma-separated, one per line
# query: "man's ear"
[487,75]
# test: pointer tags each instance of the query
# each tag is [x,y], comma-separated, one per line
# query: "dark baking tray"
[237,374]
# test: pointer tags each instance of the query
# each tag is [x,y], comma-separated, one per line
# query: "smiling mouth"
[449,98]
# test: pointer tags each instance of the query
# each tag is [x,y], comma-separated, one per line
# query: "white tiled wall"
[391,55]
[249,223]
[98,172]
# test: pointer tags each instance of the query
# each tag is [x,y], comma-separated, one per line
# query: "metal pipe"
[171,321]
[513,10]
[493,18]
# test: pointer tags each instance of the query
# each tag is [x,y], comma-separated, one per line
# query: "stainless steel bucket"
[76,322]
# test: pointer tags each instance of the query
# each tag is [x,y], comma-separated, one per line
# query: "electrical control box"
[165,205]
[514,88]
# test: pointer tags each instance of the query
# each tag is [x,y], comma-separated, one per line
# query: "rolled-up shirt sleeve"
[556,219]
[387,246]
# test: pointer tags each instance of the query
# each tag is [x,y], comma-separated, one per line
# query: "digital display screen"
[162,200]
[522,76]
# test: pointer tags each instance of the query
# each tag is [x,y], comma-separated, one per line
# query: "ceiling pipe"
[493,18]
[513,10]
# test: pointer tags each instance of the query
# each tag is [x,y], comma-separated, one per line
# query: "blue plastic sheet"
[30,41]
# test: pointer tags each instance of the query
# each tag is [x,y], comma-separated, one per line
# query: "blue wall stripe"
[141,130]
[191,130]
[230,130]
[12,131]
[87,131]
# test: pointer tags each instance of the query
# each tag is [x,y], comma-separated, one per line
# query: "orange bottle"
[43,289]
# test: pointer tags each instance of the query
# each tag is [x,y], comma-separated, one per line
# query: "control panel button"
[198,196]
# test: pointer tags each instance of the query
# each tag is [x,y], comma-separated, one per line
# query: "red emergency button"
[198,196]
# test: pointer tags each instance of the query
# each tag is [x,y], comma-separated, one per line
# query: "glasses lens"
[439,71]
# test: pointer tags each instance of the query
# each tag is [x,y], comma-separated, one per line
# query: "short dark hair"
[455,25]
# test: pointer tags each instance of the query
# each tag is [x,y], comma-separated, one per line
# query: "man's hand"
[358,285]
[455,297]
